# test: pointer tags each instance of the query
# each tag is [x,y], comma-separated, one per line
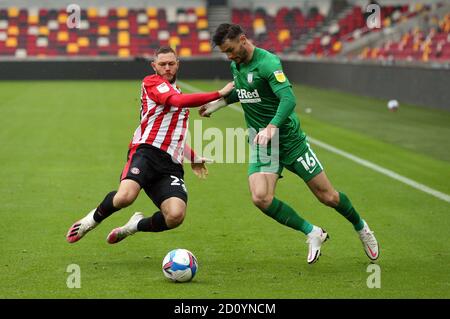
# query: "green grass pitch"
[63,146]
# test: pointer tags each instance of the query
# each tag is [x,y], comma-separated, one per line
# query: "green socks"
[285,215]
[346,209]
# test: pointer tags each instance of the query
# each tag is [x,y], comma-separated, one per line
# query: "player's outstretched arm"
[211,107]
[197,99]
[207,109]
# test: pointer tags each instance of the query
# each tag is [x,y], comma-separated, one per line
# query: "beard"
[172,80]
[242,56]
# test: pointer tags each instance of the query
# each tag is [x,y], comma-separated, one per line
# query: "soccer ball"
[179,265]
[393,105]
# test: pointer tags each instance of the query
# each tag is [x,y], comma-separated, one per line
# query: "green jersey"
[257,83]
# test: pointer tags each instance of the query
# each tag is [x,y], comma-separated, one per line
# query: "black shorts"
[156,172]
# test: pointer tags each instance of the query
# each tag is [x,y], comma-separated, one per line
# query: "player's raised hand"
[226,90]
[199,167]
[207,109]
[265,135]
[202,111]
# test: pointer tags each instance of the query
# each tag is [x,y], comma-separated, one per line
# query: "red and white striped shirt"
[162,126]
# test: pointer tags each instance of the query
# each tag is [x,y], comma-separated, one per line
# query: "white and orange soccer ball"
[179,265]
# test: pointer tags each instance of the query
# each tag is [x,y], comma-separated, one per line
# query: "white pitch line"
[382,170]
[356,159]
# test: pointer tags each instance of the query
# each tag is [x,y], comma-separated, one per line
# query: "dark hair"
[226,31]
[164,50]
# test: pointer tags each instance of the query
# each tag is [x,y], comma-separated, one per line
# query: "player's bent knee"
[329,199]
[262,201]
[174,210]
[174,218]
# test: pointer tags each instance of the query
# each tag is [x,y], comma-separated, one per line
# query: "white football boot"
[81,227]
[120,233]
[315,240]
[369,242]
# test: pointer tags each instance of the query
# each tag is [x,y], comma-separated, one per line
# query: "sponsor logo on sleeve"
[279,75]
[163,88]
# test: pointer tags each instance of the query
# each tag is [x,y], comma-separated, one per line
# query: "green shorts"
[306,166]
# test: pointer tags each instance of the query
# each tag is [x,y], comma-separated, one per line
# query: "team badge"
[163,88]
[135,171]
[250,77]
[279,75]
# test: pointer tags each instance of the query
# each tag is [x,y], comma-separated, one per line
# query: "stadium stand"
[353,25]
[327,31]
[314,29]
[428,44]
[276,32]
[120,32]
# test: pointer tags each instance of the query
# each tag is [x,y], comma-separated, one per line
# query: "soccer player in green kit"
[268,102]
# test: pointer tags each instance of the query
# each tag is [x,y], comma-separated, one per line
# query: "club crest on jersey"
[279,75]
[250,77]
[135,171]
[163,88]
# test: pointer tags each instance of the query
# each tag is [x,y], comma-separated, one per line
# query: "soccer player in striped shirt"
[268,102]
[155,156]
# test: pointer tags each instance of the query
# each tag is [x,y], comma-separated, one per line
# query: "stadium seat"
[72,48]
[185,52]
[202,24]
[11,42]
[205,47]
[124,53]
